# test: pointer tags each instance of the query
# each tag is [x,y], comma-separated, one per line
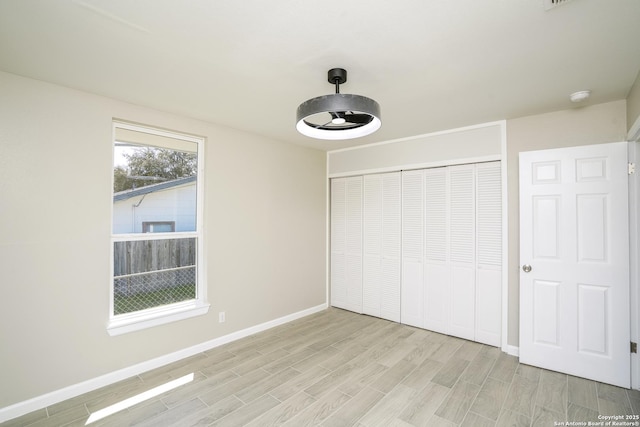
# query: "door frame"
[634,254]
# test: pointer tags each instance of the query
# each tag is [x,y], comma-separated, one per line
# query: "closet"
[421,247]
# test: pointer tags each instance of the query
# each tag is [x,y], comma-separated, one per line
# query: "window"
[156,237]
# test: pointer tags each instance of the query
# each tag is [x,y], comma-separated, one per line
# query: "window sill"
[131,322]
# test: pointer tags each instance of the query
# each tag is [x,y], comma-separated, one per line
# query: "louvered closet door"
[372,264]
[338,242]
[462,284]
[489,253]
[437,280]
[391,238]
[353,258]
[346,243]
[421,247]
[412,295]
[381,271]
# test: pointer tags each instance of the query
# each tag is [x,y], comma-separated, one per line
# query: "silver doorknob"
[526,268]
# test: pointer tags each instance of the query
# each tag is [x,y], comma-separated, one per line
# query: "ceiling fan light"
[312,132]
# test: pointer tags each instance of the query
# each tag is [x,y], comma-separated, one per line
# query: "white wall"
[264,230]
[633,106]
[633,110]
[435,149]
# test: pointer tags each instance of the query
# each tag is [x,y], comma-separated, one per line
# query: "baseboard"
[22,408]
[512,350]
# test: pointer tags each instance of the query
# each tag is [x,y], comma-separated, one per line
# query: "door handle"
[526,268]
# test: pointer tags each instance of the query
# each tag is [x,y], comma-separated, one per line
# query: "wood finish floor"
[337,368]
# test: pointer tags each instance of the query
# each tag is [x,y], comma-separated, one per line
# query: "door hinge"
[632,168]
[634,347]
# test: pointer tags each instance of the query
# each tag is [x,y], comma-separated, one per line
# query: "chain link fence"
[139,291]
[151,273]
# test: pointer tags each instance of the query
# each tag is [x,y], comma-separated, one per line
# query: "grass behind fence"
[142,301]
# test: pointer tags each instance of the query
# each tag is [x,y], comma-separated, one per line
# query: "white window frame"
[134,321]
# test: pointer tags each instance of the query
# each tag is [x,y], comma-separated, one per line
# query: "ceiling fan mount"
[337,76]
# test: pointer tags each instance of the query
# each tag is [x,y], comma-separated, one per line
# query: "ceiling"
[431,64]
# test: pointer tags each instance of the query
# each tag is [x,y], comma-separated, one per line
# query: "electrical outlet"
[221,317]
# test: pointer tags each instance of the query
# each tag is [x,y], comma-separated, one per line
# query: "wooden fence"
[143,266]
[140,256]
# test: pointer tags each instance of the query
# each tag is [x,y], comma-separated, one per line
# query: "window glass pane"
[154,181]
[151,273]
[158,227]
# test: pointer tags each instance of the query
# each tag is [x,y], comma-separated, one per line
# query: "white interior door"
[574,259]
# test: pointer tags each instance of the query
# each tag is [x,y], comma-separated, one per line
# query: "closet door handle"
[526,268]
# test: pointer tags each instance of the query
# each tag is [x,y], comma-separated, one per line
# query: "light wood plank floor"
[337,368]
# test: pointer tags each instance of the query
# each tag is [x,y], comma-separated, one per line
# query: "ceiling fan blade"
[358,118]
[317,126]
[349,121]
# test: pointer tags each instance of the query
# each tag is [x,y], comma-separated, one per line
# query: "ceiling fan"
[338,116]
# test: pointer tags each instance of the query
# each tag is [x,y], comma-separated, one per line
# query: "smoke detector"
[550,4]
[580,96]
